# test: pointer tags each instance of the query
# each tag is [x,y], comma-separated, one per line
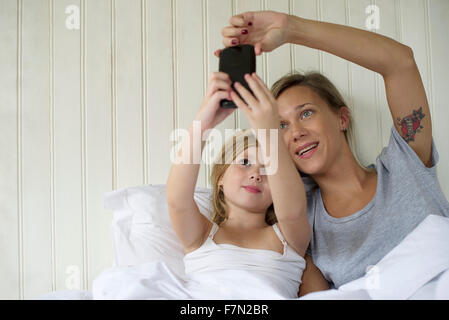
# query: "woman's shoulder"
[399,155]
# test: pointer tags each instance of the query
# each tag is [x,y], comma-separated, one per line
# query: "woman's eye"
[283,125]
[306,114]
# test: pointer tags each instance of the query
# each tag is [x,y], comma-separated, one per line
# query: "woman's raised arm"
[405,92]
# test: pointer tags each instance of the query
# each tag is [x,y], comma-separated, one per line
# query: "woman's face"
[243,184]
[311,130]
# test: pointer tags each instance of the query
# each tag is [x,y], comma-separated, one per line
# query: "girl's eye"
[244,162]
[283,125]
[306,114]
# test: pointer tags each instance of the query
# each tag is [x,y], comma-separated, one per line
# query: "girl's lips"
[252,189]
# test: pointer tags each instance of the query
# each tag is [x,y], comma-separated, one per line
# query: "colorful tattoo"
[411,124]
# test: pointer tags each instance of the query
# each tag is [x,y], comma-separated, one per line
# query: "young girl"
[243,253]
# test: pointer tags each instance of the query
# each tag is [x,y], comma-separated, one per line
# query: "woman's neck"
[344,177]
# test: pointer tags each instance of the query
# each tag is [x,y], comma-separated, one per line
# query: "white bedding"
[418,268]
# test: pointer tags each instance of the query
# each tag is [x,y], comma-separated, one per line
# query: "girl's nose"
[256,177]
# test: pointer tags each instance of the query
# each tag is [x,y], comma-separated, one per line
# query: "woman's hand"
[210,113]
[261,108]
[265,30]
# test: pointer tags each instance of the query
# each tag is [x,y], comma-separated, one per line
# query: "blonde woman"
[247,251]
[357,214]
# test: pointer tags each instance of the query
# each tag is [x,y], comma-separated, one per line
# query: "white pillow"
[141,227]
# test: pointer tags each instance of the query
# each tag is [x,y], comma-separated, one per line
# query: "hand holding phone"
[236,62]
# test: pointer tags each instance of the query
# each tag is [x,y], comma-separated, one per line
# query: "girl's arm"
[187,221]
[289,197]
[286,186]
[406,95]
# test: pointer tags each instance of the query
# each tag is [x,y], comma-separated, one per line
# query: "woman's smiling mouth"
[306,151]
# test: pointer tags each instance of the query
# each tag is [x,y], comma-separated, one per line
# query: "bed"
[418,268]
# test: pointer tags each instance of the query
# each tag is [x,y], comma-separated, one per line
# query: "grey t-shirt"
[407,192]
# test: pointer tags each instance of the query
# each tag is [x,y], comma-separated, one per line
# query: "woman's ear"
[345,117]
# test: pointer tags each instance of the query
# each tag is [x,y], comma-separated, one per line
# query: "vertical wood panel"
[336,69]
[10,242]
[242,6]
[68,152]
[439,24]
[114,92]
[144,75]
[36,149]
[129,93]
[98,135]
[413,17]
[217,15]
[278,61]
[389,27]
[305,58]
[362,94]
[159,59]
[189,66]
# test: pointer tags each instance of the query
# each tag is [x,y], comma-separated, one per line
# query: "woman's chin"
[310,169]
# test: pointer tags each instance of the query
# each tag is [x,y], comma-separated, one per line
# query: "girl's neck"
[239,218]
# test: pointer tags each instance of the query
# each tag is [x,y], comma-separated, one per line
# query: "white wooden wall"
[90,110]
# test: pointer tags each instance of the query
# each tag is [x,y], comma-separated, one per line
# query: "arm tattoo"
[411,124]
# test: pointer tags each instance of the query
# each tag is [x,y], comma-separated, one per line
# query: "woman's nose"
[297,132]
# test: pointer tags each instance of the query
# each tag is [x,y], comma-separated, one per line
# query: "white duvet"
[418,268]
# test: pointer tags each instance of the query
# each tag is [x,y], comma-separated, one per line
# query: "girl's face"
[311,130]
[243,184]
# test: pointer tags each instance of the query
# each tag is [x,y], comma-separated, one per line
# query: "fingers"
[219,76]
[233,35]
[256,87]
[258,49]
[230,42]
[237,20]
[264,87]
[220,95]
[245,94]
[242,20]
[233,32]
[218,81]
[218,85]
[239,102]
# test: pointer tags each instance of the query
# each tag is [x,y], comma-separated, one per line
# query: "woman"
[357,214]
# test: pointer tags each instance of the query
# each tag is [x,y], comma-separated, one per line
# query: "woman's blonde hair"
[322,86]
[235,145]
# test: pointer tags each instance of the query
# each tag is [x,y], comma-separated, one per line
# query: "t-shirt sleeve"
[400,155]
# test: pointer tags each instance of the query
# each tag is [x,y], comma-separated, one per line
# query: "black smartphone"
[236,62]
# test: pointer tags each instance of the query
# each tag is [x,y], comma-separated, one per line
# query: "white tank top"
[283,270]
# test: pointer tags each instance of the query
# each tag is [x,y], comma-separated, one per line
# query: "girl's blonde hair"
[235,145]
[322,86]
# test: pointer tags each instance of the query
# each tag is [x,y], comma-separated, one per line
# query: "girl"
[243,248]
[357,214]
